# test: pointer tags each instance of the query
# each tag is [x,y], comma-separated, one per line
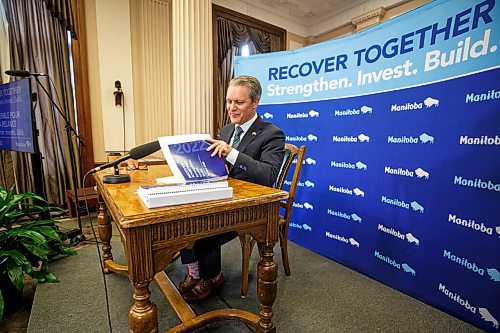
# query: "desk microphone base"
[116,179]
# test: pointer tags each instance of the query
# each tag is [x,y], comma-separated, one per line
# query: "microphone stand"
[77,234]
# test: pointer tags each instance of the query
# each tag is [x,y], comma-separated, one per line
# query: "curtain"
[63,11]
[39,43]
[5,46]
[231,36]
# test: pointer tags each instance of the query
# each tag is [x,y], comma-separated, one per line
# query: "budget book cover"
[188,158]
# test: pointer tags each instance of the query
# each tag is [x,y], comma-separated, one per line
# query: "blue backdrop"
[402,128]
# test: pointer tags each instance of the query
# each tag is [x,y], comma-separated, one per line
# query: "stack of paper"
[197,176]
[169,195]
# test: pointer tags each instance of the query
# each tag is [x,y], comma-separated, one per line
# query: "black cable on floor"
[101,263]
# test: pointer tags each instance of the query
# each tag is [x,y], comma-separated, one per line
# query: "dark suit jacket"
[261,152]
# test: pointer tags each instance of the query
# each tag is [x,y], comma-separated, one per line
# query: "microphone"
[135,154]
[22,73]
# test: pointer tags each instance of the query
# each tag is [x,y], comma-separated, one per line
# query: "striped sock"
[193,270]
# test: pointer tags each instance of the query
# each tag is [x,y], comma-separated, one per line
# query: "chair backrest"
[291,151]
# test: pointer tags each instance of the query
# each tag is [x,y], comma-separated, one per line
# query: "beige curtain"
[39,43]
[63,11]
[231,36]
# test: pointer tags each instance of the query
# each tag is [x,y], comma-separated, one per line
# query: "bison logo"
[424,138]
[366,109]
[356,218]
[408,269]
[363,138]
[358,192]
[429,102]
[417,207]
[353,242]
[306,227]
[310,161]
[312,137]
[361,166]
[313,113]
[421,173]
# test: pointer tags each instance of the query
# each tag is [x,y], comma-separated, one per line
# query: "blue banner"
[16,126]
[402,127]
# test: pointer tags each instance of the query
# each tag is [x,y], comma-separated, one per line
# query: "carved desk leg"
[143,316]
[105,231]
[267,285]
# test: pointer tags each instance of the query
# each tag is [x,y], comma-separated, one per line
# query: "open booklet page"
[189,160]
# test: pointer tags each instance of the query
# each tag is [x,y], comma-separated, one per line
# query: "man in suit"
[254,151]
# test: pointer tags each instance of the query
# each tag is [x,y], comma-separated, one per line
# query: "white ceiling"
[306,17]
[308,12]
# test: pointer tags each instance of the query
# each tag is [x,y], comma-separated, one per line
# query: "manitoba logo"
[430,102]
[471,224]
[426,138]
[392,262]
[415,206]
[267,115]
[482,140]
[464,262]
[300,226]
[457,298]
[419,172]
[350,240]
[312,137]
[354,217]
[349,138]
[343,165]
[409,106]
[313,114]
[423,138]
[307,183]
[309,137]
[339,189]
[353,112]
[310,114]
[477,183]
[489,95]
[305,205]
[406,107]
[308,161]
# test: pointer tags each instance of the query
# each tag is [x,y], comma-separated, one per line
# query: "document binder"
[188,158]
[167,195]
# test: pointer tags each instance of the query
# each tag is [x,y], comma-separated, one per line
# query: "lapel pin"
[254,133]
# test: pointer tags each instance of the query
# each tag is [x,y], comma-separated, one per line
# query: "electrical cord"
[101,263]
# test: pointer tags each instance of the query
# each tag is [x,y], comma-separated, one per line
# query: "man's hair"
[253,85]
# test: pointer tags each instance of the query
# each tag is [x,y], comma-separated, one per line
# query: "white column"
[192,66]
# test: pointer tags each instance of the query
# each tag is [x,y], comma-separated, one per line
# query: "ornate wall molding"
[367,20]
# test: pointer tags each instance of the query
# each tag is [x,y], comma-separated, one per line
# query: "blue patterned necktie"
[237,137]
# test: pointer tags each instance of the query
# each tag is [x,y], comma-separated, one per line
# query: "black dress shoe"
[204,289]
[188,283]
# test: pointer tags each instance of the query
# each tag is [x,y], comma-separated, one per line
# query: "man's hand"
[219,147]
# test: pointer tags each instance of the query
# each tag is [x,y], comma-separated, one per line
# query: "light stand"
[77,235]
[36,157]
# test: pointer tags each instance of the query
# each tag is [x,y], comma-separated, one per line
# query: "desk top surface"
[129,211]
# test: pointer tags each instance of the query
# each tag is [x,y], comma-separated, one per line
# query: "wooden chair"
[247,241]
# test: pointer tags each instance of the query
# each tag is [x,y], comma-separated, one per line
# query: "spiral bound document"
[167,195]
[188,158]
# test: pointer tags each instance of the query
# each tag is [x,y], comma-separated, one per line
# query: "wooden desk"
[151,237]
